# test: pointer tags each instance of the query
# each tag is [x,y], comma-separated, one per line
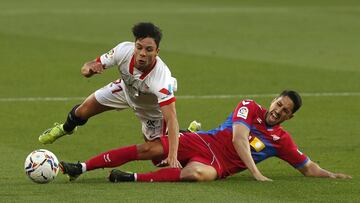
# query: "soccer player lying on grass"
[250,135]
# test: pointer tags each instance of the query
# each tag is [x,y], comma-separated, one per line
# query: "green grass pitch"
[227,47]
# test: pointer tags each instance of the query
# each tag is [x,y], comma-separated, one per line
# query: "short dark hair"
[143,30]
[295,98]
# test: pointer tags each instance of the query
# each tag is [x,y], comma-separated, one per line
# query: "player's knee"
[89,108]
[150,150]
[144,148]
[196,174]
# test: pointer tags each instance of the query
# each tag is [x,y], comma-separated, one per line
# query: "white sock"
[83,167]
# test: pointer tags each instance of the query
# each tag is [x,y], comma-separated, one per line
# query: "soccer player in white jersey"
[146,86]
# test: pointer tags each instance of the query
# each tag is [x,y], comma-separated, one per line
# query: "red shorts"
[192,147]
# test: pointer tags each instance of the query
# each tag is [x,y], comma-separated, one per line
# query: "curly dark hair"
[147,29]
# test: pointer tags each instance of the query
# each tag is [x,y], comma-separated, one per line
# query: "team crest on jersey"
[110,54]
[275,137]
[245,102]
[243,112]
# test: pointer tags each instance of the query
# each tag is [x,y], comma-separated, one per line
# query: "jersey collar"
[145,73]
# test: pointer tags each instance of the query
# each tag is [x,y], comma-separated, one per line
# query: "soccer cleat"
[72,170]
[194,126]
[52,134]
[120,176]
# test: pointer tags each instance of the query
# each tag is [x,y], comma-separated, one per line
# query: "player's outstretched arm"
[169,113]
[91,67]
[312,169]
[242,147]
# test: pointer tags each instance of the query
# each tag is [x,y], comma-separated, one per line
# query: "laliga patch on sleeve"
[110,54]
[243,112]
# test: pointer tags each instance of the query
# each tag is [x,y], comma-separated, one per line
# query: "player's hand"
[260,177]
[171,162]
[340,176]
[91,68]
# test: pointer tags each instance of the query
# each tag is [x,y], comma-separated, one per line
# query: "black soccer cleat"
[72,170]
[120,176]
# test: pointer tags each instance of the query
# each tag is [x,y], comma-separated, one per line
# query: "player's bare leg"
[78,116]
[90,107]
[196,171]
[150,150]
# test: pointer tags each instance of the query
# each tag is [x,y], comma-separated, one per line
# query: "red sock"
[112,158]
[162,175]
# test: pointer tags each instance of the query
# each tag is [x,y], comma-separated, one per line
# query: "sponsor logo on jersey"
[243,112]
[257,144]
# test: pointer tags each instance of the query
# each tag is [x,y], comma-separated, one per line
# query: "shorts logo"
[243,112]
[150,124]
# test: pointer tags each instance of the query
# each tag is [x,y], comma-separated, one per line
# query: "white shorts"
[114,95]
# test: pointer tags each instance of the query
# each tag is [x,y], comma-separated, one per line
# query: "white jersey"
[145,91]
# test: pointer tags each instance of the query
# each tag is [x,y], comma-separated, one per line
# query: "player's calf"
[72,120]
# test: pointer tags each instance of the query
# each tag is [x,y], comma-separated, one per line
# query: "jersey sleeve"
[163,87]
[290,153]
[245,112]
[116,55]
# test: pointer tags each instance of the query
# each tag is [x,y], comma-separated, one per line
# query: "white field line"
[241,96]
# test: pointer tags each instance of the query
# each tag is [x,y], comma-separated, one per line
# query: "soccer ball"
[41,166]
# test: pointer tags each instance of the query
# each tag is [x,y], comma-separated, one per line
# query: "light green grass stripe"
[45,99]
[182,10]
